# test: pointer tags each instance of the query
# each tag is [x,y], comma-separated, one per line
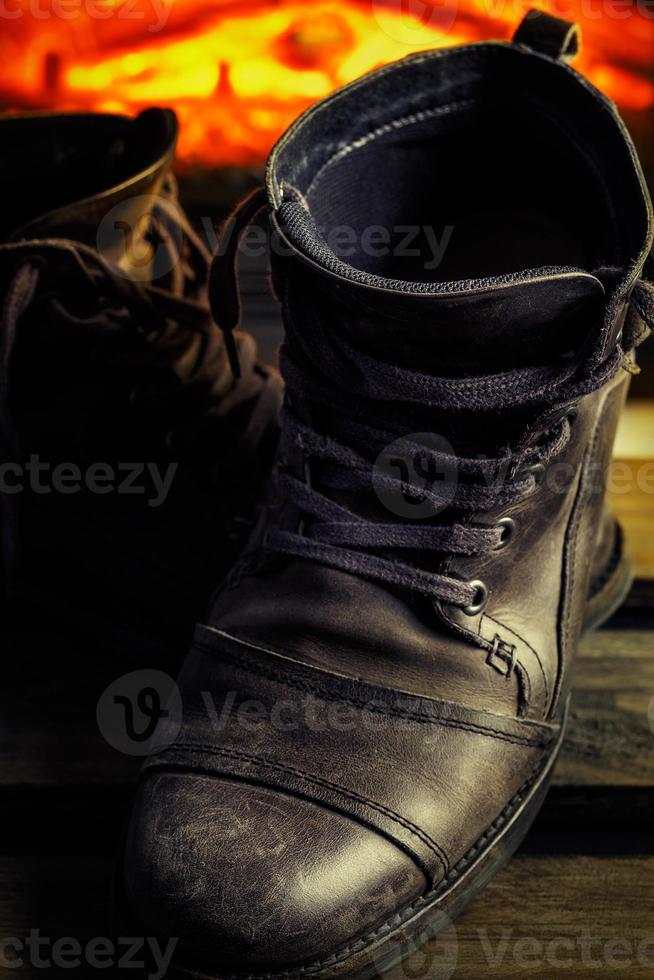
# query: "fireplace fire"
[238,71]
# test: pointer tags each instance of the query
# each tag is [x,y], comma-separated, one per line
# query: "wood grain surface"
[576,902]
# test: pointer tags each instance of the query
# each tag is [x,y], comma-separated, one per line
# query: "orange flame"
[239,71]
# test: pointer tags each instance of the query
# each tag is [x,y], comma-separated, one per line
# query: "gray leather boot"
[390,663]
[132,461]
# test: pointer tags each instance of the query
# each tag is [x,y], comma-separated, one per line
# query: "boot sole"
[391,944]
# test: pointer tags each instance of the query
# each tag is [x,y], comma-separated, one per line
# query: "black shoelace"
[371,401]
[174,319]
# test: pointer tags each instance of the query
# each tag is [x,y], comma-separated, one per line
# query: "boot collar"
[437,87]
[126,167]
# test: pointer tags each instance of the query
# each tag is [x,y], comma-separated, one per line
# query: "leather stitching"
[318,780]
[529,647]
[569,566]
[525,684]
[393,125]
[577,518]
[282,677]
[345,952]
[476,54]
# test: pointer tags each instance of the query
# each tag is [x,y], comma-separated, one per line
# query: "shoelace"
[175,320]
[369,402]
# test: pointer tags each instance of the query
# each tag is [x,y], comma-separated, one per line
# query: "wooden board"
[543,917]
[576,902]
[50,743]
[549,917]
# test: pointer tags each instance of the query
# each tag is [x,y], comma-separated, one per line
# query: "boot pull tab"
[224,293]
[546,34]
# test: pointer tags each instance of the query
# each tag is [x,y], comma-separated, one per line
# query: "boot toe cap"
[251,879]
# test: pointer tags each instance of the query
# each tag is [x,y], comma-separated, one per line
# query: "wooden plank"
[53,752]
[48,730]
[549,917]
[610,740]
[49,734]
[541,917]
[61,894]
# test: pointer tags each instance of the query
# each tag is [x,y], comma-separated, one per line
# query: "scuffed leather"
[343,760]
[316,758]
[379,749]
[215,860]
[540,610]
[125,194]
[549,35]
[519,321]
[419,730]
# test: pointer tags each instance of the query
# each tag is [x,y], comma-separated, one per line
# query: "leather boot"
[132,459]
[375,705]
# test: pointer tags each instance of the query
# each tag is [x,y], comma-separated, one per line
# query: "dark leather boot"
[131,459]
[375,705]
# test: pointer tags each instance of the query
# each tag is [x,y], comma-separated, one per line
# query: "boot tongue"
[97,180]
[477,326]
[534,319]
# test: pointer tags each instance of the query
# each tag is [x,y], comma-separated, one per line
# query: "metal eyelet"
[508,528]
[481,598]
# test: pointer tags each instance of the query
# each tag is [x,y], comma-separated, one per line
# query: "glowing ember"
[238,72]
